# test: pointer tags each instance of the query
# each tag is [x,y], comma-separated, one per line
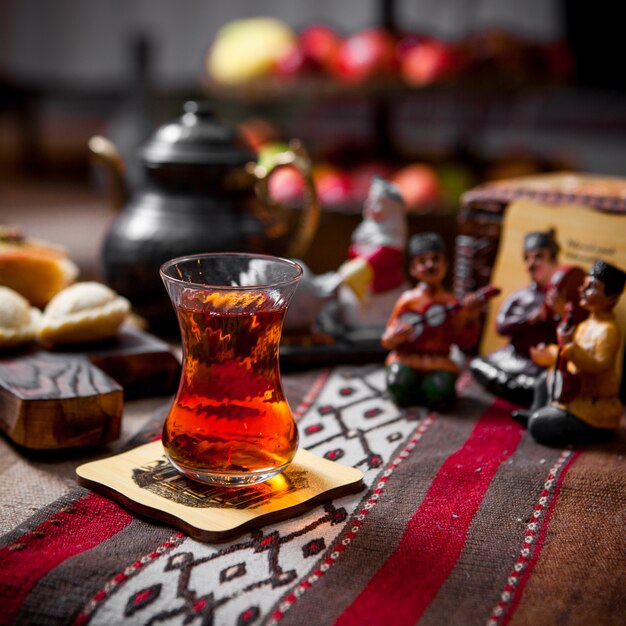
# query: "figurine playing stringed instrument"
[425,323]
[562,305]
[584,404]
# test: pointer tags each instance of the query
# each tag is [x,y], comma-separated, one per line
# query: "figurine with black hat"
[425,323]
[588,354]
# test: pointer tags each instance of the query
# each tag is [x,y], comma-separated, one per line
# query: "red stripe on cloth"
[75,529]
[436,534]
[311,395]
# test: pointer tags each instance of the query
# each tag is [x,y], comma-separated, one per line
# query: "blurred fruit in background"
[429,185]
[365,55]
[249,48]
[424,188]
[427,61]
[292,64]
[362,174]
[262,54]
[319,44]
[333,185]
[286,185]
[419,185]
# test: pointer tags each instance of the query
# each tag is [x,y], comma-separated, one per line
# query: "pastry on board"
[34,268]
[19,321]
[83,312]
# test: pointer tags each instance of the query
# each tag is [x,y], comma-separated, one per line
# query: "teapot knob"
[205,110]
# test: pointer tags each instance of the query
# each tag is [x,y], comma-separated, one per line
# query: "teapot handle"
[107,156]
[297,157]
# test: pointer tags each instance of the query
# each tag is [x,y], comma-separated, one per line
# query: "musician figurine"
[424,324]
[584,404]
[562,301]
[524,318]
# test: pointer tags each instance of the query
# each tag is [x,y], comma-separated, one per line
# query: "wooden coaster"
[143,480]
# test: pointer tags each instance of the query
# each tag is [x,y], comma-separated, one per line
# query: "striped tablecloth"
[465,520]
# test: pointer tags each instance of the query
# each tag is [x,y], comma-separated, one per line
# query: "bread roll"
[18,320]
[83,312]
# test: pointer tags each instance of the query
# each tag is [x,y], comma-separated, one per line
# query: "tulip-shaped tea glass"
[230,423]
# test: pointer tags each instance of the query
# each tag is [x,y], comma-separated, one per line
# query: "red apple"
[333,186]
[292,64]
[428,61]
[419,186]
[319,44]
[407,43]
[286,185]
[364,55]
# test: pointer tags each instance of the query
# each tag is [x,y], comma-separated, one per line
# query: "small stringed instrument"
[436,313]
[565,384]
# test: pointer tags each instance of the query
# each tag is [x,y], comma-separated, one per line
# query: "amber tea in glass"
[230,423]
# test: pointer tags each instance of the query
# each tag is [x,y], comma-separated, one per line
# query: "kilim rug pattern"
[465,520]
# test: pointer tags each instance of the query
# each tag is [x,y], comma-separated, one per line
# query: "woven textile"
[465,520]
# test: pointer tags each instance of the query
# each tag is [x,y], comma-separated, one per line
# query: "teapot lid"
[197,138]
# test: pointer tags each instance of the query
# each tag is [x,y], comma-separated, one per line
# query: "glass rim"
[251,255]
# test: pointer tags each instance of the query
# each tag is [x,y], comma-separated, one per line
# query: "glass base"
[227,479]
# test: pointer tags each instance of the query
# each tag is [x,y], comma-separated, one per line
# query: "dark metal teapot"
[202,192]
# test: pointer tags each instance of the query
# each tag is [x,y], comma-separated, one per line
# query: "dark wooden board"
[73,396]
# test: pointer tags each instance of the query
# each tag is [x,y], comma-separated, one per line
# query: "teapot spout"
[106,156]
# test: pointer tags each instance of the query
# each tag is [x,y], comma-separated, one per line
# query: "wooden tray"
[143,480]
[63,398]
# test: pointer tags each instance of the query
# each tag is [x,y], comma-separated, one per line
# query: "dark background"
[73,68]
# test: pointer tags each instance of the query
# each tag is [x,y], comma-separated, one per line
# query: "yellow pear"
[248,48]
